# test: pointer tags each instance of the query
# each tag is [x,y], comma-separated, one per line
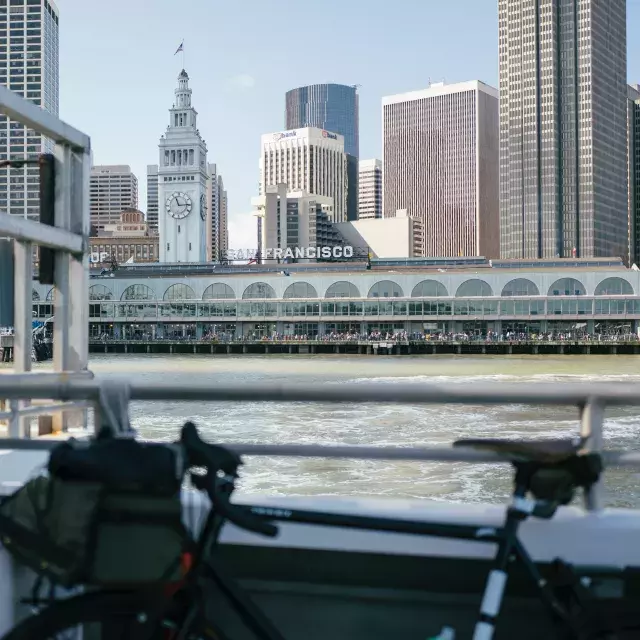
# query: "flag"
[180,48]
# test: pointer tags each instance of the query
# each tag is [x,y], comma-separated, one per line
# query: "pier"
[353,347]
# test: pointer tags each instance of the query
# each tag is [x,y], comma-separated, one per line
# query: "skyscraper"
[369,189]
[563,128]
[333,107]
[440,164]
[29,67]
[633,128]
[112,190]
[217,224]
[152,197]
[309,159]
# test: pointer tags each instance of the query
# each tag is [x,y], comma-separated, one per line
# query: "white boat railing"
[589,399]
[69,237]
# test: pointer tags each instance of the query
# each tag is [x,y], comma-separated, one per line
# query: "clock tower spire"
[182,179]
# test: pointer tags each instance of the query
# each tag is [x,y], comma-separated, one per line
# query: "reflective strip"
[483,631]
[524,505]
[493,592]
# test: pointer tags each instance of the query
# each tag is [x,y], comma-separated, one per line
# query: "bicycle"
[546,475]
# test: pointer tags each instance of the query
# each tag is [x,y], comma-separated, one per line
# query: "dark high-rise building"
[333,107]
[633,125]
[563,128]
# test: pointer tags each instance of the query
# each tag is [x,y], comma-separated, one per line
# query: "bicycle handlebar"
[216,458]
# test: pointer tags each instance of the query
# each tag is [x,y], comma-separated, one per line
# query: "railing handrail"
[17,108]
[64,388]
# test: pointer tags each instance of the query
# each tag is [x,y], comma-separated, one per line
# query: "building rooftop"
[406,265]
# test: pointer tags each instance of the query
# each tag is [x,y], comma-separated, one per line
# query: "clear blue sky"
[118,71]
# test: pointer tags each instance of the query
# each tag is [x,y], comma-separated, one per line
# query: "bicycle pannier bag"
[108,514]
[46,525]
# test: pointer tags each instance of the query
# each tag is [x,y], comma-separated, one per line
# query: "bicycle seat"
[543,451]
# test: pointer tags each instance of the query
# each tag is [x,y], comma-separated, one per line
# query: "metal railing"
[111,398]
[69,237]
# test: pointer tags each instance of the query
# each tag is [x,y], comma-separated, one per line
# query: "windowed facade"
[29,66]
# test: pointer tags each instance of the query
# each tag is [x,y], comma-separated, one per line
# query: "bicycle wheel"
[123,615]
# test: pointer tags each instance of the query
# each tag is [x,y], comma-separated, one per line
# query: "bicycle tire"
[94,608]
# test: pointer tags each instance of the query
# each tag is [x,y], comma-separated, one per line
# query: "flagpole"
[183,53]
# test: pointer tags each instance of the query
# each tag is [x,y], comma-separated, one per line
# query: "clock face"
[203,207]
[178,205]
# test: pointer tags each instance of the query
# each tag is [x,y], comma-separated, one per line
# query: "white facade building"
[398,237]
[152,197]
[309,159]
[112,190]
[28,66]
[369,189]
[182,183]
[292,222]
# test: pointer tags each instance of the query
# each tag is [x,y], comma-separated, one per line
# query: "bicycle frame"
[505,536]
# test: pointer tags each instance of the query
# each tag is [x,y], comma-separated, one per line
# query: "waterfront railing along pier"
[366,347]
[64,228]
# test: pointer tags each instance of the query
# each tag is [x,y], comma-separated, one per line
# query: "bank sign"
[284,134]
[300,253]
[328,134]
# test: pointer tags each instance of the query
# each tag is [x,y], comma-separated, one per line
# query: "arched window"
[35,296]
[138,292]
[218,291]
[51,295]
[300,290]
[99,292]
[520,287]
[429,289]
[260,290]
[614,287]
[179,291]
[385,289]
[342,289]
[474,288]
[567,287]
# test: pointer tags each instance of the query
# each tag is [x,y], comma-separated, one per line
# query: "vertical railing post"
[591,427]
[23,319]
[71,330]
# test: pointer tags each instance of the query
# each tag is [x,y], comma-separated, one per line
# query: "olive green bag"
[75,532]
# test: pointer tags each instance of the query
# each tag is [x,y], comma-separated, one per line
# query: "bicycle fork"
[493,594]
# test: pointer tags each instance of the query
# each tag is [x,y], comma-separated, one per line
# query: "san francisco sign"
[299,253]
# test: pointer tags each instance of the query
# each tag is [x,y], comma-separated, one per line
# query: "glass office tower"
[333,107]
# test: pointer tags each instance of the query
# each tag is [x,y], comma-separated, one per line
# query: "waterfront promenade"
[626,346]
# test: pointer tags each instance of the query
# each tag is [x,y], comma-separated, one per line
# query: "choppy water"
[307,423]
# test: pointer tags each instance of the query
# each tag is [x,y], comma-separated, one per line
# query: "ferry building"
[420,295]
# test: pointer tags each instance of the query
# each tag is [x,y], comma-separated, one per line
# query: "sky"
[118,70]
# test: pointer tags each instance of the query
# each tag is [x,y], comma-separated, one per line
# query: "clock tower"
[182,180]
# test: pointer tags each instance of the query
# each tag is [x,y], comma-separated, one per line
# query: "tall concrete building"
[112,190]
[223,236]
[333,107]
[633,129]
[563,128]
[308,159]
[291,222]
[29,67]
[217,224]
[152,197]
[369,189]
[440,164]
